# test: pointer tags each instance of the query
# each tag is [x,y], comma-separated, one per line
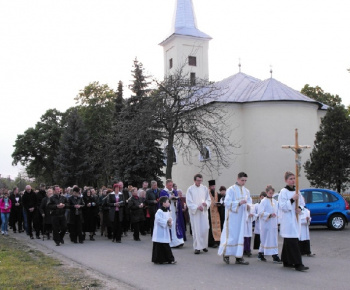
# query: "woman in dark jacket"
[75,220]
[116,204]
[45,213]
[136,213]
[89,211]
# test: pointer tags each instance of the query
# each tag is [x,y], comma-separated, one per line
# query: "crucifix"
[297,149]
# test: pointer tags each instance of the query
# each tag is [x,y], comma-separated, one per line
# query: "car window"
[307,196]
[319,196]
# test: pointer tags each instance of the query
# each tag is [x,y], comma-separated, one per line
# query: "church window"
[204,154]
[192,60]
[193,79]
[170,63]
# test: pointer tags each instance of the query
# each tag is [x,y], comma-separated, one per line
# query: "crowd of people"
[224,219]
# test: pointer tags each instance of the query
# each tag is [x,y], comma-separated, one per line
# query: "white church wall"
[260,129]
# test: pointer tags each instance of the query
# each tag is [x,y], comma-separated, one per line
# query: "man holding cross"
[291,206]
[290,223]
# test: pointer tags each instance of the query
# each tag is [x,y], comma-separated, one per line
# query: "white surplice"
[268,226]
[195,196]
[289,224]
[161,230]
[304,230]
[232,236]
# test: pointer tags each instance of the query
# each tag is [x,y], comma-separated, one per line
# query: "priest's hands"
[169,222]
[295,196]
[243,201]
[200,208]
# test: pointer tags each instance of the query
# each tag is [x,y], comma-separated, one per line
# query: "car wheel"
[336,222]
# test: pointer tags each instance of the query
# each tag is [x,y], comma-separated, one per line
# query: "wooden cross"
[297,149]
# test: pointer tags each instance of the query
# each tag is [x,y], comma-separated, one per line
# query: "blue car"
[327,207]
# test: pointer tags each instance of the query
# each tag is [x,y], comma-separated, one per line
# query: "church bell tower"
[186,47]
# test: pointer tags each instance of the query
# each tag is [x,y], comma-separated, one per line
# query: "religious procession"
[223,219]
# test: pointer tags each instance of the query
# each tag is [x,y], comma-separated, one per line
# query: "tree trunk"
[169,157]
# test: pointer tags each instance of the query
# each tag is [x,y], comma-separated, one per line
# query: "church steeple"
[187,46]
[184,22]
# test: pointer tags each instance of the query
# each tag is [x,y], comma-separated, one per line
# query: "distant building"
[264,114]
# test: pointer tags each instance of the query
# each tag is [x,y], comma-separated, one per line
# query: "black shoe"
[137,240]
[301,268]
[197,252]
[261,257]
[276,259]
[215,246]
[92,238]
[288,265]
[62,241]
[205,250]
[310,255]
[38,237]
[172,262]
[240,261]
[57,243]
[14,232]
[75,242]
[32,237]
[248,254]
[81,242]
[226,259]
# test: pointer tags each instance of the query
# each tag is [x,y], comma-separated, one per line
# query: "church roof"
[242,88]
[184,21]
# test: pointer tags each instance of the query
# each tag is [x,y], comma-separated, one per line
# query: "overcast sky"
[52,49]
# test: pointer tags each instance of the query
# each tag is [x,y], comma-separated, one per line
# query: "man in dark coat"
[57,207]
[152,196]
[30,207]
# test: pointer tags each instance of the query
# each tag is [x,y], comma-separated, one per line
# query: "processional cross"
[297,149]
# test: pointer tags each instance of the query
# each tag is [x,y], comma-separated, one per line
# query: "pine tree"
[73,159]
[329,164]
[139,155]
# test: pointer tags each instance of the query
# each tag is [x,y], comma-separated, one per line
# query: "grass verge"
[22,267]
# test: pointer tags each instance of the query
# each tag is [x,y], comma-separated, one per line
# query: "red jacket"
[2,206]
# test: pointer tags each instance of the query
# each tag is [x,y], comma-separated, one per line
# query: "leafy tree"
[188,118]
[329,163]
[96,108]
[37,147]
[139,156]
[73,159]
[319,95]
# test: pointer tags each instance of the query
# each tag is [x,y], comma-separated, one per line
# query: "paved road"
[130,262]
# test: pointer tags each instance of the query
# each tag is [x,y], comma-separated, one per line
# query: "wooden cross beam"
[297,149]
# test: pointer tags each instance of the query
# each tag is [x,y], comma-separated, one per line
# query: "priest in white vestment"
[198,202]
[237,206]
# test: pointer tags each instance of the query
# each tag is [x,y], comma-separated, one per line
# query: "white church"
[264,114]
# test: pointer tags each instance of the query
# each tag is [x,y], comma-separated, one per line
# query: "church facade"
[263,114]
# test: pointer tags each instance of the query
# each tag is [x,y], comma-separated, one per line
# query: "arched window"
[166,153]
[204,153]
